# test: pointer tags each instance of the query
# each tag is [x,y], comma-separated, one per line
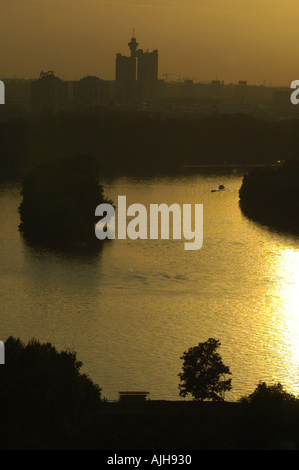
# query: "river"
[133,309]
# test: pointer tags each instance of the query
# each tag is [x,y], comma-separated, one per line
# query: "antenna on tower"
[133,32]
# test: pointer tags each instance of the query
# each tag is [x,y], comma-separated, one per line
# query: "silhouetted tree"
[268,396]
[44,399]
[204,373]
[270,415]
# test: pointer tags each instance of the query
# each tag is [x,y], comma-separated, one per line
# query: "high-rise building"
[147,73]
[136,75]
[125,68]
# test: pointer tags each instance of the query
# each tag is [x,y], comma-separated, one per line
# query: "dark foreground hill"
[47,403]
[167,426]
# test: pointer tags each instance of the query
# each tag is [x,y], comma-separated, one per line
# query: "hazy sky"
[231,40]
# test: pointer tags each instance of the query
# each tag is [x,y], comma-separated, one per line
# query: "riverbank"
[189,425]
[165,426]
[270,196]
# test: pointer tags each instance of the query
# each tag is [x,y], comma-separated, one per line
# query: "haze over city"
[204,40]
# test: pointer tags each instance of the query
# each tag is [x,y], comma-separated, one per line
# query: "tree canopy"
[204,372]
[125,140]
[271,195]
[59,201]
[268,395]
[44,399]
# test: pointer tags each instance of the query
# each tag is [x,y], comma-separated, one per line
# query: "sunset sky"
[253,40]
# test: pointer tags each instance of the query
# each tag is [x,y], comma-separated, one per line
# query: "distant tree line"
[122,141]
[271,195]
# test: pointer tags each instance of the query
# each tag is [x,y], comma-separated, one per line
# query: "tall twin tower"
[136,75]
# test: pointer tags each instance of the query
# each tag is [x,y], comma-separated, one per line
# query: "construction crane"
[167,75]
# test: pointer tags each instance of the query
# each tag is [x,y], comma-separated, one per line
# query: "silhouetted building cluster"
[90,91]
[136,76]
[282,99]
[49,94]
[137,85]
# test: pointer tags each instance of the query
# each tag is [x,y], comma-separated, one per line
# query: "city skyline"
[196,39]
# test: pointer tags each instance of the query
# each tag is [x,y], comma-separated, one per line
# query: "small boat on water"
[220,188]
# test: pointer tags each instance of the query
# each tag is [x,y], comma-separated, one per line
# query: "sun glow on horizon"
[251,41]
